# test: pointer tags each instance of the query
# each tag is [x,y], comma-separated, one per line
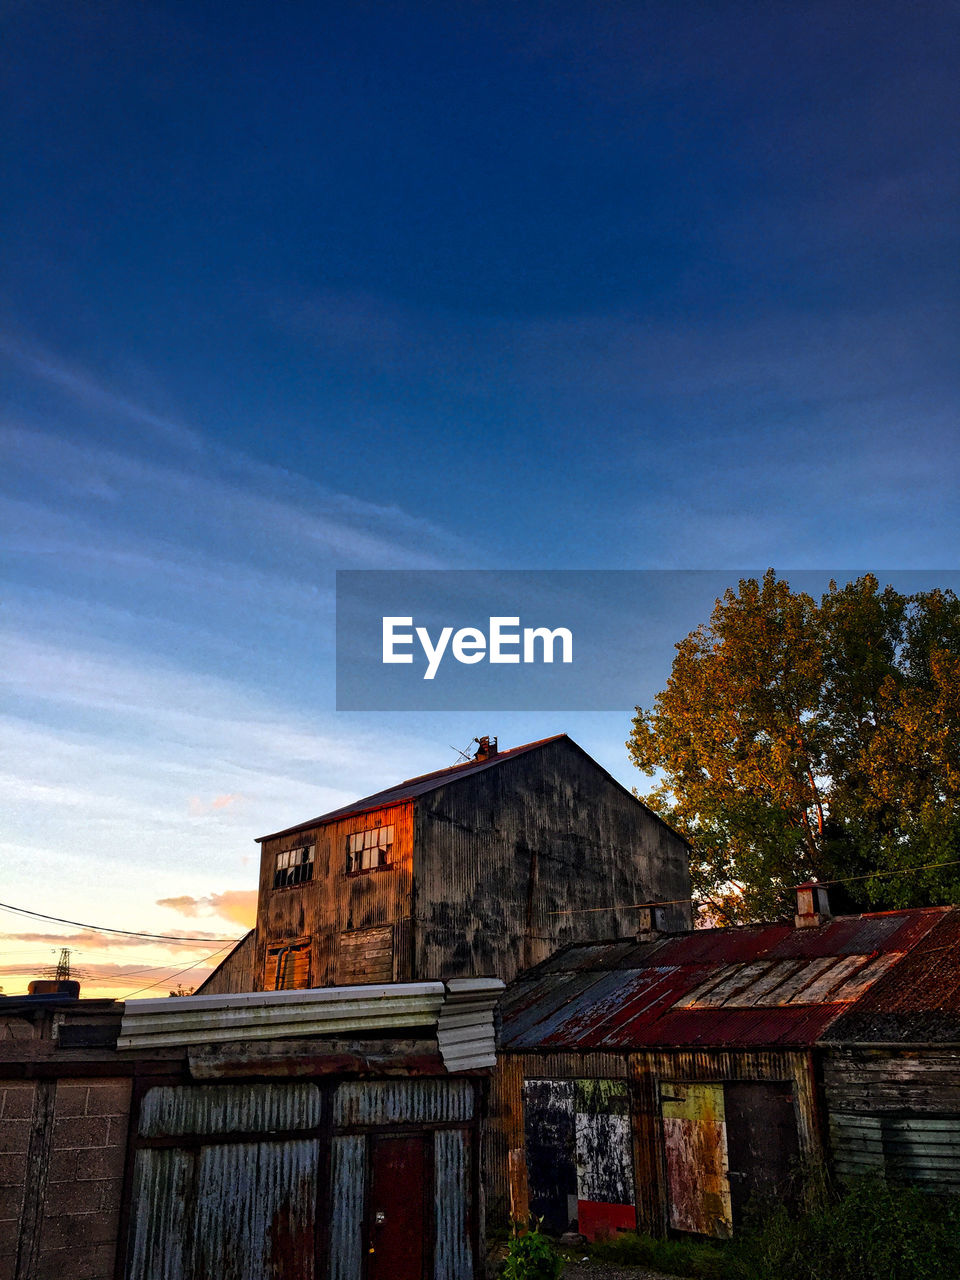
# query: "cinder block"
[97,1263]
[11,1203]
[17,1101]
[110,1194]
[77,1231]
[62,1167]
[13,1169]
[71,1100]
[14,1135]
[67,1198]
[117,1132]
[109,1098]
[80,1131]
[100,1163]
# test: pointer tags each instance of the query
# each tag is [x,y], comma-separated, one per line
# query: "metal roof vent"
[813,905]
[486,747]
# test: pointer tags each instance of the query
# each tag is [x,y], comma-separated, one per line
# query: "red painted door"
[396,1215]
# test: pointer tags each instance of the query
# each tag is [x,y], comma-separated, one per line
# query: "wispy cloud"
[236,905]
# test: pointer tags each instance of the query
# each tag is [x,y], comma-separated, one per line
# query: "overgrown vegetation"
[872,1232]
[531,1255]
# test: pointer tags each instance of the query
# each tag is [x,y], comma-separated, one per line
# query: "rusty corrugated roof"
[746,987]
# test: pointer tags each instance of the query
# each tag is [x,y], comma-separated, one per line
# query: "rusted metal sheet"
[695,1146]
[579,1158]
[860,935]
[549,1141]
[242,1210]
[334,902]
[236,972]
[348,1204]
[254,1207]
[466,1029]
[413,787]
[278,1014]
[453,1250]
[918,999]
[177,1110]
[390,1102]
[763,1148]
[753,986]
[723,946]
[610,1011]
[510,859]
[162,1188]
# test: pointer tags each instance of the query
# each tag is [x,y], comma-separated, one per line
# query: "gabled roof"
[427,782]
[755,986]
[414,787]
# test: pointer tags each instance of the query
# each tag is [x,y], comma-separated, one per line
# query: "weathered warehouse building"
[663,1083]
[460,873]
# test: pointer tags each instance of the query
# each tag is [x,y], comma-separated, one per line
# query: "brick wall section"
[78,1237]
[16,1110]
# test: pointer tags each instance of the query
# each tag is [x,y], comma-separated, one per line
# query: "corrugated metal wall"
[500,851]
[207,1205]
[229,1178]
[334,903]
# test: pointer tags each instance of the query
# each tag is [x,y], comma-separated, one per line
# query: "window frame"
[359,853]
[282,863]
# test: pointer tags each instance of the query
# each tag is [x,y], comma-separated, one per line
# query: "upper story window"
[294,866]
[369,850]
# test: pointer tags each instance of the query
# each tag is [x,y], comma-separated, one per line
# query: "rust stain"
[695,1145]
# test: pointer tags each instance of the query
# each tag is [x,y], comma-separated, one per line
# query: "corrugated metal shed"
[759,985]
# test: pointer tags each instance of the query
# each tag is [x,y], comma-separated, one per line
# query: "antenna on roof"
[464,755]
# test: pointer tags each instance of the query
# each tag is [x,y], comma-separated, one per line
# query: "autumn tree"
[798,738]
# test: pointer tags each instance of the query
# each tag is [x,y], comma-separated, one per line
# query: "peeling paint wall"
[578,1155]
[646,1078]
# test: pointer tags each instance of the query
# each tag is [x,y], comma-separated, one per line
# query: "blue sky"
[292,288]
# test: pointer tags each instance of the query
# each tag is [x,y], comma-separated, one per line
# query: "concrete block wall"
[68,1147]
[16,1112]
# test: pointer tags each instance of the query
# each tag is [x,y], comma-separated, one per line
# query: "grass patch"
[872,1231]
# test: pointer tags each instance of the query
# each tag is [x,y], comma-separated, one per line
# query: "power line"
[97,928]
[896,871]
[170,976]
[673,902]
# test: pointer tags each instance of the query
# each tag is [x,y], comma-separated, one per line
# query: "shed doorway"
[726,1143]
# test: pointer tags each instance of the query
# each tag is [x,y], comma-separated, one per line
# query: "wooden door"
[763,1151]
[695,1147]
[396,1216]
